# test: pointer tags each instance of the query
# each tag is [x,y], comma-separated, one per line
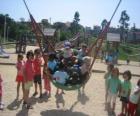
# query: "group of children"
[29,71]
[115,87]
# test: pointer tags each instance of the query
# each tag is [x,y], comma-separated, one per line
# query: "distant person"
[113,87]
[125,92]
[1,94]
[106,76]
[29,73]
[127,61]
[19,78]
[37,66]
[133,100]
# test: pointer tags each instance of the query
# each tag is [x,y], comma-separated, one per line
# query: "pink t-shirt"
[37,66]
[29,71]
[20,67]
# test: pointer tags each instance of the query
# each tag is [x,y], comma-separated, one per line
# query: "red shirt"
[29,71]
[20,67]
[37,66]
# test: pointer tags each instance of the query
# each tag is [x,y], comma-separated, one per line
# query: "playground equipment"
[3,54]
[99,41]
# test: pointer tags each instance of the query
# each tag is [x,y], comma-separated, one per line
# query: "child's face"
[20,59]
[125,77]
[115,73]
[31,57]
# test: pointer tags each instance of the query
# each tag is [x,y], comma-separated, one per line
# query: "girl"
[113,87]
[1,104]
[19,78]
[28,78]
[37,67]
[133,100]
[106,76]
[46,75]
[125,91]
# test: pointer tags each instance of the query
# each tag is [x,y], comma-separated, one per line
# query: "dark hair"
[37,51]
[128,73]
[138,83]
[111,66]
[20,56]
[61,66]
[29,53]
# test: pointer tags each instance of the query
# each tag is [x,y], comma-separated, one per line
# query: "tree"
[75,27]
[103,24]
[124,25]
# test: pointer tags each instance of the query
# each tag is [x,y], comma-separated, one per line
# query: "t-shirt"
[20,67]
[68,53]
[52,65]
[61,76]
[125,88]
[134,98]
[81,54]
[106,77]
[29,70]
[37,66]
[113,84]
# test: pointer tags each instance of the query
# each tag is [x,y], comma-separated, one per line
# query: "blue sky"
[92,12]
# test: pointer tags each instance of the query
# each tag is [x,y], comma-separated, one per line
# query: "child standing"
[106,76]
[113,87]
[28,78]
[125,91]
[19,78]
[133,100]
[1,104]
[46,75]
[37,67]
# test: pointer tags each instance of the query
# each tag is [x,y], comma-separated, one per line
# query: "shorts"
[132,107]
[19,78]
[37,79]
[124,99]
[28,85]
[111,97]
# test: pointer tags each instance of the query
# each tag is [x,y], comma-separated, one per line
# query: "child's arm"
[137,91]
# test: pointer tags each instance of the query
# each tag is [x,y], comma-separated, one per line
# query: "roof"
[49,31]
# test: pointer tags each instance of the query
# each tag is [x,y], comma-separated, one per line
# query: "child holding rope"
[19,78]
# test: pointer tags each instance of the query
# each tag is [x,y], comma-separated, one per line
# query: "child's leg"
[18,86]
[23,89]
[35,84]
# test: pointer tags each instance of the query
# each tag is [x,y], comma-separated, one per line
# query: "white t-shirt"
[134,98]
[61,76]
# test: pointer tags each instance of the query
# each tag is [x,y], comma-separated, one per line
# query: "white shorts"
[111,97]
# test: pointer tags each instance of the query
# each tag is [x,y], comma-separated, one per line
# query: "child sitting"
[1,104]
[134,99]
[60,76]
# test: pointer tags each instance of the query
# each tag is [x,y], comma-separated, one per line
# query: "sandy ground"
[72,103]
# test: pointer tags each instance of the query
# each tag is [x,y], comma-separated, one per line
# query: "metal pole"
[5,29]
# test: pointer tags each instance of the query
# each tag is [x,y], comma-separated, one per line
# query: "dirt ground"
[72,103]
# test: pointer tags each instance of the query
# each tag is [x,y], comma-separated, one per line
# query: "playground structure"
[99,41]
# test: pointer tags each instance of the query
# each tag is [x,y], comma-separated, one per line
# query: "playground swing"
[98,41]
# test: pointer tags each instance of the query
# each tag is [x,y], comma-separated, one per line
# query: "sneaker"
[29,107]
[1,106]
[35,93]
[41,96]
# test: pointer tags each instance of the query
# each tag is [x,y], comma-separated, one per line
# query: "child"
[28,78]
[106,76]
[60,76]
[113,87]
[19,79]
[133,100]
[1,104]
[125,91]
[46,75]
[37,67]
